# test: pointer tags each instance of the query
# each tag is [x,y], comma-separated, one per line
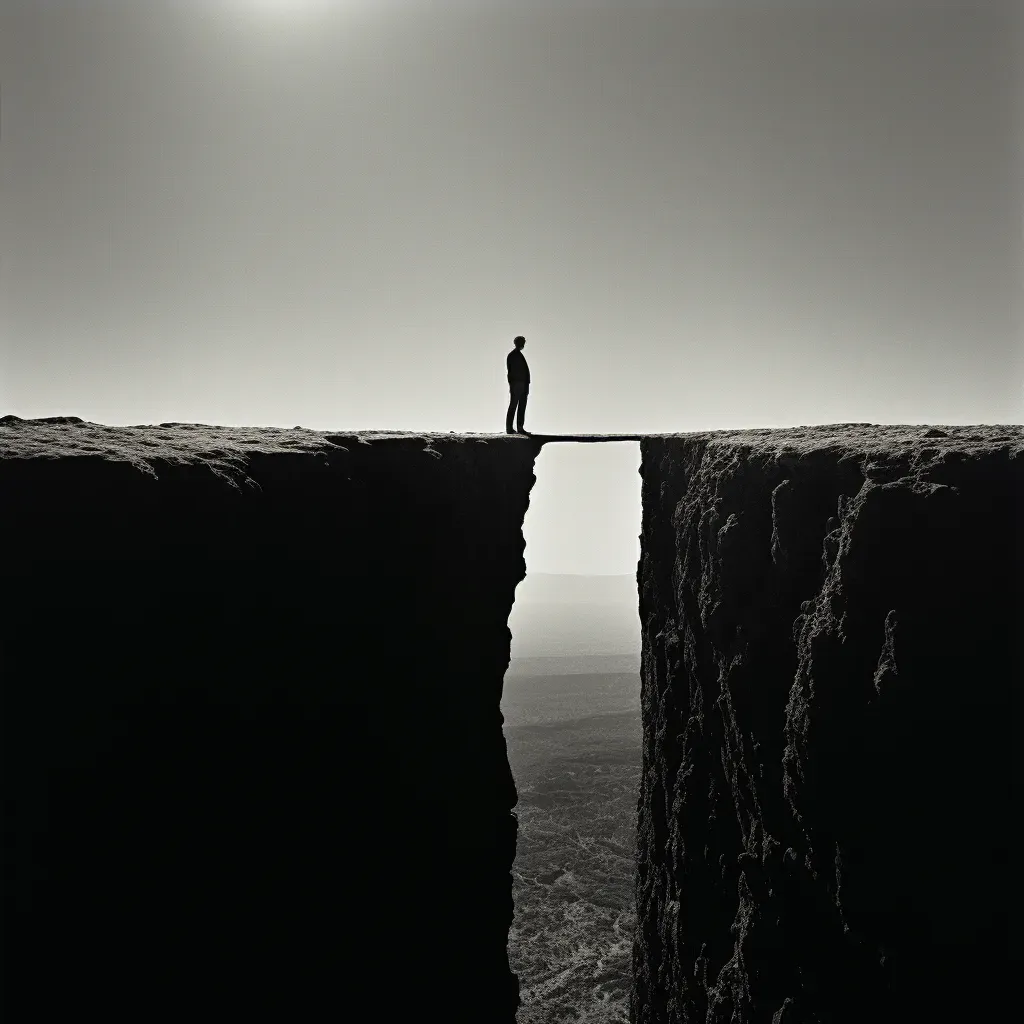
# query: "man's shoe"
[525,433]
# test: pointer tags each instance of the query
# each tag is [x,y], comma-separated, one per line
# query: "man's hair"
[519,341]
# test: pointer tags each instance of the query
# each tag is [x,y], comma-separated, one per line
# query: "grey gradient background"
[339,214]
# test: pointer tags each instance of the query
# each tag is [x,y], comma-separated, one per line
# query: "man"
[518,386]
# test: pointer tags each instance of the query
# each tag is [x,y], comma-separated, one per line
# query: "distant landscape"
[572,724]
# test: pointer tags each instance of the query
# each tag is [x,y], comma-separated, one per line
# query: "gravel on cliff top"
[141,445]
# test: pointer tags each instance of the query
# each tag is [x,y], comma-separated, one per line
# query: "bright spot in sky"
[282,20]
[287,10]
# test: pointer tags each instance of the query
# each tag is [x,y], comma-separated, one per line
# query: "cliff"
[252,745]
[830,808]
[253,763]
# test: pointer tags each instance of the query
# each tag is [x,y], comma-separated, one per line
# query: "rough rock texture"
[830,808]
[253,762]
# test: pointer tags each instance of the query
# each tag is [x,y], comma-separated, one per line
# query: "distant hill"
[578,665]
[563,616]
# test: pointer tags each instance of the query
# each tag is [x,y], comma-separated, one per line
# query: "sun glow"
[287,11]
[291,20]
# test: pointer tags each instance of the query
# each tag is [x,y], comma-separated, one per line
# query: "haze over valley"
[572,724]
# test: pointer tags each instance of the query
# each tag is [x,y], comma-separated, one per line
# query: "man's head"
[519,342]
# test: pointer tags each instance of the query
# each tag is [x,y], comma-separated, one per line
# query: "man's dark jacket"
[518,371]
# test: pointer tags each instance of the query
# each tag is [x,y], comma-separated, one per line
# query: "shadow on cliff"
[253,756]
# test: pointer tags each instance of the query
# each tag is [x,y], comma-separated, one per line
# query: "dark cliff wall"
[253,762]
[830,809]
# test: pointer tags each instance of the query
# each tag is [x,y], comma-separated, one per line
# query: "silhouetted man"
[518,386]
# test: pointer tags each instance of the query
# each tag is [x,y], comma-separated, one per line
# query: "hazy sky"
[339,214]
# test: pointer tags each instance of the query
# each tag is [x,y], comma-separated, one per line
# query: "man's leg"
[522,411]
[511,411]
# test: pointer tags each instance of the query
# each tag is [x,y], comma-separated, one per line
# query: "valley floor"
[574,747]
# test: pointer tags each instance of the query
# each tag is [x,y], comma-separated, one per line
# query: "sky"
[339,214]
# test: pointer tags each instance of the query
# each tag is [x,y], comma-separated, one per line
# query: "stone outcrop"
[830,808]
[253,756]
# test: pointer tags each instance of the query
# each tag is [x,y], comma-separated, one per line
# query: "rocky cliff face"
[253,756]
[830,809]
[253,765]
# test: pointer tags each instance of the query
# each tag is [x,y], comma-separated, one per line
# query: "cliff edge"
[830,808]
[252,744]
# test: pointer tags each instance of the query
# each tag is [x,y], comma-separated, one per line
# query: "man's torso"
[518,370]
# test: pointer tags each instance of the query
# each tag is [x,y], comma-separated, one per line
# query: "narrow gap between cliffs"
[571,703]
